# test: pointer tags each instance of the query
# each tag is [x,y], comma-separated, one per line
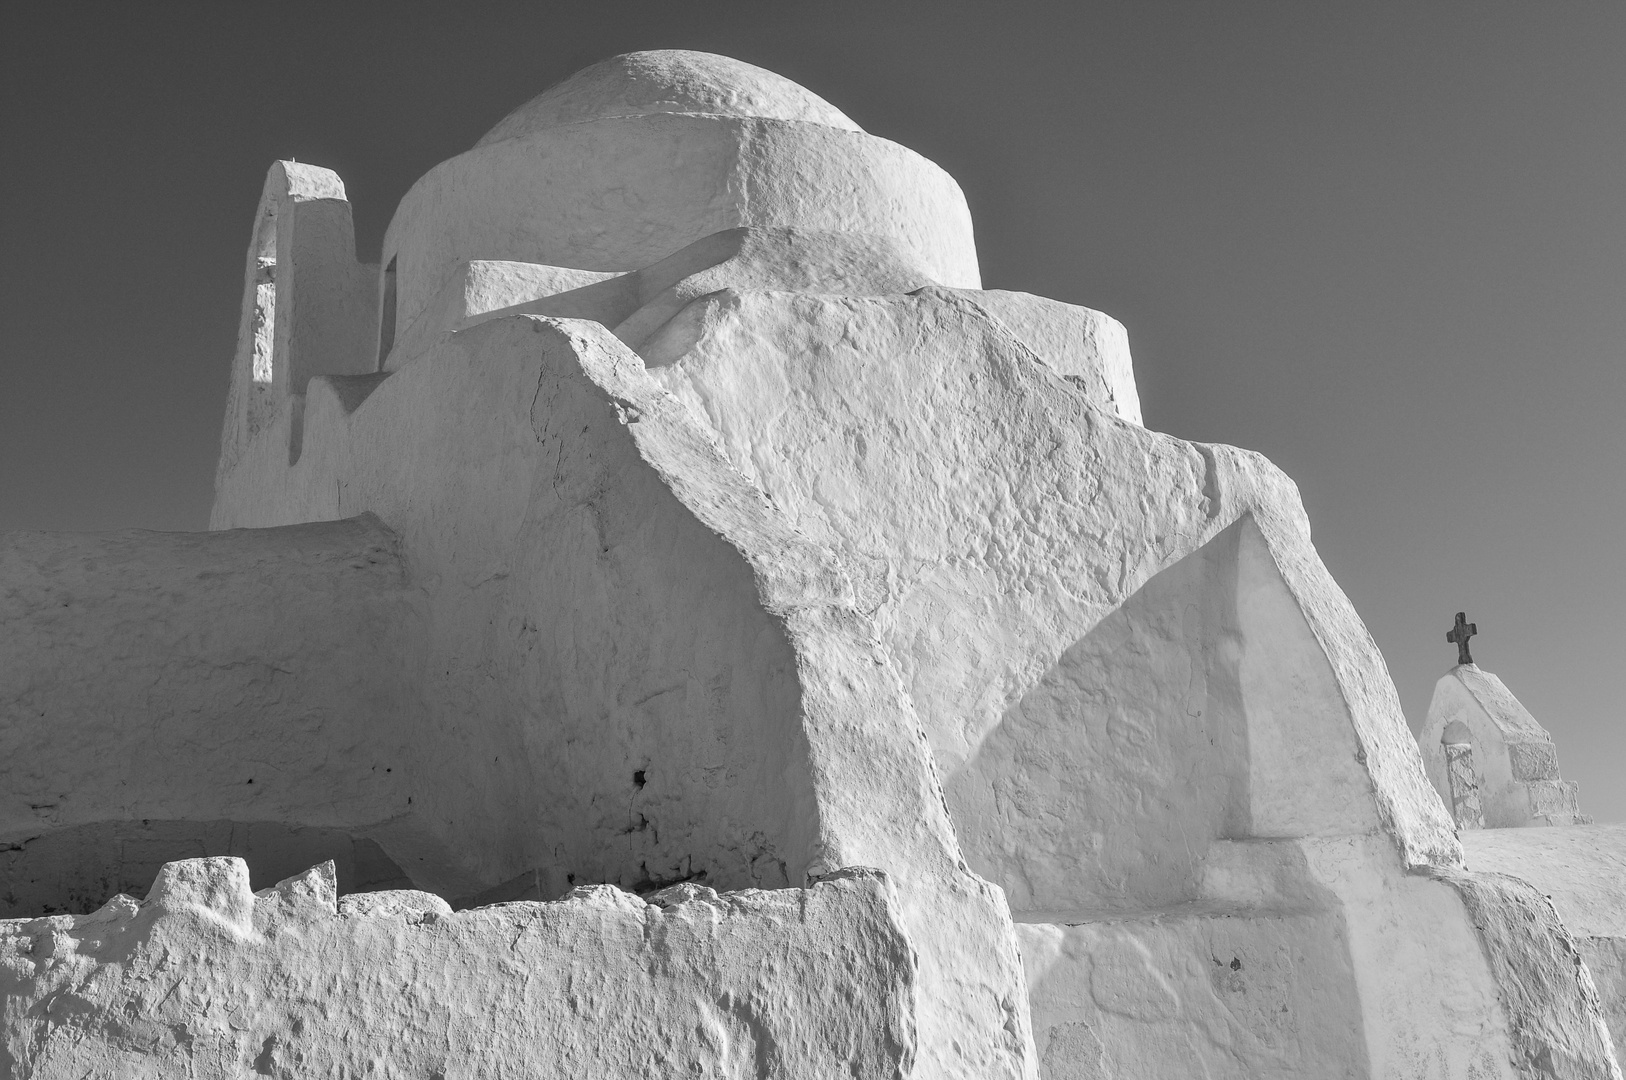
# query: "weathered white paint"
[679,659]
[259,677]
[1303,770]
[747,541]
[668,81]
[1513,755]
[615,181]
[1582,870]
[1196,993]
[1293,958]
[297,983]
[1018,514]
[639,303]
[308,305]
[1081,344]
[1555,1021]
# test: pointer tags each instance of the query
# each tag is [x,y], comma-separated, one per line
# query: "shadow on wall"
[1200,711]
[1143,805]
[78,869]
[1103,787]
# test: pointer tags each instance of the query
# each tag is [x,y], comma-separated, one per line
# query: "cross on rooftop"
[1459,634]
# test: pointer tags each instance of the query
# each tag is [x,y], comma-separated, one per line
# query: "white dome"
[668,81]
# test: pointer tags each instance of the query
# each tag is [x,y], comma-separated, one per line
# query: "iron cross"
[1459,634]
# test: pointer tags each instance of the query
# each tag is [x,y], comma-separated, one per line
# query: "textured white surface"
[991,514]
[772,735]
[638,157]
[1554,1018]
[668,81]
[1082,345]
[819,408]
[637,304]
[1582,870]
[1199,994]
[1293,958]
[748,541]
[205,979]
[1513,755]
[309,308]
[258,677]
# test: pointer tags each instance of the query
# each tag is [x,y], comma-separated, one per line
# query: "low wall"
[812,982]
[1581,869]
[1214,993]
[258,677]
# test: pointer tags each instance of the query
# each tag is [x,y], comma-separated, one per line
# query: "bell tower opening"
[386,315]
[262,330]
[265,318]
[1462,776]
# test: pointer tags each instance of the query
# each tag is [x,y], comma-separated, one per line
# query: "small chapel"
[665,617]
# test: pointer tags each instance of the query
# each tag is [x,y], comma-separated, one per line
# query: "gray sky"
[1385,244]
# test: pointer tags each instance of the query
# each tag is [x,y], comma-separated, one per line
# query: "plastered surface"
[207,979]
[738,540]
[259,677]
[1513,756]
[1581,870]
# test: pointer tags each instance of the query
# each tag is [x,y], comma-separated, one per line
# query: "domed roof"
[668,81]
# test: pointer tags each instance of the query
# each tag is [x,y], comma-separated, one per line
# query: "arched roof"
[668,81]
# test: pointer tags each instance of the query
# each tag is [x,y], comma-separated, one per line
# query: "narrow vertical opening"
[262,327]
[386,315]
[265,319]
[1462,776]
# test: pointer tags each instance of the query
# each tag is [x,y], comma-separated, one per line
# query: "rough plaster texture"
[1513,755]
[1018,514]
[746,541]
[738,693]
[586,637]
[1315,957]
[619,180]
[1582,870]
[1198,994]
[1555,1020]
[1294,779]
[638,303]
[207,979]
[77,868]
[668,81]
[308,305]
[1085,346]
[251,677]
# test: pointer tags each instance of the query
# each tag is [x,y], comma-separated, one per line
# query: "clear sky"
[1385,244]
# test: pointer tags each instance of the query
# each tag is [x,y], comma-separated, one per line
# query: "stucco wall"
[680,605]
[1555,1022]
[621,193]
[606,699]
[309,307]
[600,984]
[1202,709]
[1582,870]
[1514,758]
[1102,788]
[1311,957]
[1202,994]
[248,676]
[1019,514]
[795,583]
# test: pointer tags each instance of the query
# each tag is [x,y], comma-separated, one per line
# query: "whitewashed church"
[667,619]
